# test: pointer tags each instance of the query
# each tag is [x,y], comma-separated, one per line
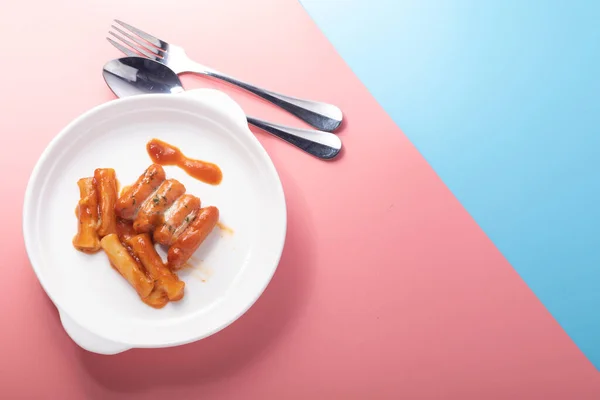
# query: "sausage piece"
[132,198]
[176,219]
[87,239]
[105,180]
[166,280]
[189,241]
[151,212]
[126,265]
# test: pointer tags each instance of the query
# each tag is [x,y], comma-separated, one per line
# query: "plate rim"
[235,112]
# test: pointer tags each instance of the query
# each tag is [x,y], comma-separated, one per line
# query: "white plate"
[234,269]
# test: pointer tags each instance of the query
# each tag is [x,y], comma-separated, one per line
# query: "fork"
[323,116]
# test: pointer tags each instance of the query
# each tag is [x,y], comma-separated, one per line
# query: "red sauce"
[224,228]
[165,154]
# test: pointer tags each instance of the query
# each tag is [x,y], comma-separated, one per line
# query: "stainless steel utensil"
[323,116]
[129,76]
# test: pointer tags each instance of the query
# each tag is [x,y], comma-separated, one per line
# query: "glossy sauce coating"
[87,239]
[133,196]
[126,265]
[224,228]
[151,212]
[105,180]
[125,230]
[166,280]
[193,236]
[176,219]
[165,154]
[157,298]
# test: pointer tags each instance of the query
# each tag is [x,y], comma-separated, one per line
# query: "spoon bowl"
[130,76]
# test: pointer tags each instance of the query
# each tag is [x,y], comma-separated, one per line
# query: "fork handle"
[323,116]
[324,145]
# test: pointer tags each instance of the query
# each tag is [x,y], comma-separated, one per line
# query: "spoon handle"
[323,116]
[320,144]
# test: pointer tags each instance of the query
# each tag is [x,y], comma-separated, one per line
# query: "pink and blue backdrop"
[394,282]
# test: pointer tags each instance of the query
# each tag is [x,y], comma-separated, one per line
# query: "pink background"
[386,289]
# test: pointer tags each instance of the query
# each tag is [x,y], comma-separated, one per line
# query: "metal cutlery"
[129,76]
[135,42]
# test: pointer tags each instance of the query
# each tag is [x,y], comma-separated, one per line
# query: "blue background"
[503,100]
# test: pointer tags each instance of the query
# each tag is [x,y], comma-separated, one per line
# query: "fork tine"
[135,47]
[145,45]
[146,36]
[123,48]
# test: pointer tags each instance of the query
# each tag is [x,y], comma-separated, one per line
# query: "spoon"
[129,76]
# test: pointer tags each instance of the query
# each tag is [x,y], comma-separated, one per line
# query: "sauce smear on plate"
[224,228]
[166,154]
